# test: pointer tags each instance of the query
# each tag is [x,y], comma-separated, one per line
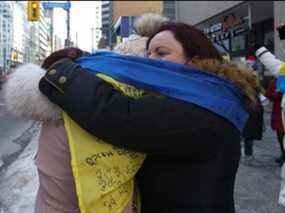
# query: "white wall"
[194,12]
[279,16]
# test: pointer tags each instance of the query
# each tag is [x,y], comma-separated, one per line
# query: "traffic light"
[33,10]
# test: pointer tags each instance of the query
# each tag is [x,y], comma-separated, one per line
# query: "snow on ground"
[19,184]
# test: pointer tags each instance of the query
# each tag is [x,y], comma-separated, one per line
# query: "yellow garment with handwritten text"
[104,174]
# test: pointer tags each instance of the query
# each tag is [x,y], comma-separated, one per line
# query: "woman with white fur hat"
[61,185]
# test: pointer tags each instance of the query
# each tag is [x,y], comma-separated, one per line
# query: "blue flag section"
[174,80]
[281,83]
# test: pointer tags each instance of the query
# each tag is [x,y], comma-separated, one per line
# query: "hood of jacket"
[23,97]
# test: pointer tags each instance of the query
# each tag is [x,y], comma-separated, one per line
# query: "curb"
[23,140]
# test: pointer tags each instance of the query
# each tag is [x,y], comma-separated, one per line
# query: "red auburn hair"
[194,42]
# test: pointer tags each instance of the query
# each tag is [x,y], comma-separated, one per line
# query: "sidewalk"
[256,191]
[15,133]
[258,184]
[19,183]
[13,145]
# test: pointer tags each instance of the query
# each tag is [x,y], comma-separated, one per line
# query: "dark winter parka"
[192,153]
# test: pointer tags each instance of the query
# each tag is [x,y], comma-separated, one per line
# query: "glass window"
[238,43]
[221,45]
[269,40]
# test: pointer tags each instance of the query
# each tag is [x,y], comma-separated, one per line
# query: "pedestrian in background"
[276,117]
[255,124]
[276,68]
[57,183]
[253,131]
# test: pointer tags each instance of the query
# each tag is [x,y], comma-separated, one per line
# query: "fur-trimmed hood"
[23,97]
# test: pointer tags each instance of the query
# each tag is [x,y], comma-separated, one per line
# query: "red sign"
[229,21]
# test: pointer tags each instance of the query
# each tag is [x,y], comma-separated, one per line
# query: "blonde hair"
[144,26]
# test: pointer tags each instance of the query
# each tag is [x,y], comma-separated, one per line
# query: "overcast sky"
[82,19]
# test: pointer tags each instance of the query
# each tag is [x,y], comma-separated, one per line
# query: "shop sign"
[227,22]
[214,28]
[230,21]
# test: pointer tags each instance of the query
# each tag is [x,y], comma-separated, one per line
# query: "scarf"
[185,83]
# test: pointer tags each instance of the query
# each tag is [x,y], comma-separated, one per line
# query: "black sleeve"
[149,124]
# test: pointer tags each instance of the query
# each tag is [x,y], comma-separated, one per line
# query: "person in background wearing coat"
[254,126]
[276,117]
[253,131]
[277,68]
[192,153]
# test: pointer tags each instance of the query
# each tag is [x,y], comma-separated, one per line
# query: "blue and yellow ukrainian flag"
[189,84]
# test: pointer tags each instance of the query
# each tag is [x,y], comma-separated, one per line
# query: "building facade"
[57,42]
[234,26]
[135,8]
[169,9]
[106,19]
[97,29]
[43,34]
[124,14]
[279,16]
[118,16]
[30,39]
[6,35]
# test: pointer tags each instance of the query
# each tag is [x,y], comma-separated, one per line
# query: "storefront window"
[240,59]
[238,43]
[269,40]
[222,46]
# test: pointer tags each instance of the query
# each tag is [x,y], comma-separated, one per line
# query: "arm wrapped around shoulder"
[23,97]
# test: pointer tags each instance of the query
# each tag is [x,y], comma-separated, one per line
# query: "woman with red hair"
[192,152]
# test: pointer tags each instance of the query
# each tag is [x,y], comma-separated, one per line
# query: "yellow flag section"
[104,174]
[282,70]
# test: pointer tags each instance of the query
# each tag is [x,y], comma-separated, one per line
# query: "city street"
[257,185]
[15,133]
[202,34]
[256,191]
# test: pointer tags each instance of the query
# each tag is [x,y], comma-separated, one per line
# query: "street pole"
[76,39]
[51,30]
[68,26]
[4,59]
[249,15]
[67,41]
[110,37]
[92,39]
